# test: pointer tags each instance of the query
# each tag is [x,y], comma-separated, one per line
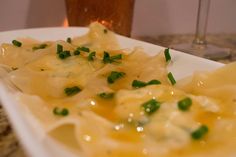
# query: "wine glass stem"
[200,36]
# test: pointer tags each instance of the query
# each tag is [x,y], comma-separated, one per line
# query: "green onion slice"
[109,59]
[68,40]
[171,78]
[59,48]
[105,95]
[61,112]
[151,106]
[64,54]
[16,43]
[116,57]
[70,91]
[76,52]
[106,57]
[152,82]
[91,56]
[185,104]
[41,46]
[139,84]
[105,31]
[114,75]
[167,55]
[83,48]
[200,132]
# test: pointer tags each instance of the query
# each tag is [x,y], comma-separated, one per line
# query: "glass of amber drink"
[116,15]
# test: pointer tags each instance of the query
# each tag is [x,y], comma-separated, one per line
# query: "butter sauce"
[120,126]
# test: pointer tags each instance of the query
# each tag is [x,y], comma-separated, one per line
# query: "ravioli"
[100,100]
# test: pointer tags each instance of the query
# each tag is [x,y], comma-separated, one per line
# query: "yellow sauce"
[119,126]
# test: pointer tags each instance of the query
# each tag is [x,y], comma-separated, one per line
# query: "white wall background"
[179,16]
[151,17]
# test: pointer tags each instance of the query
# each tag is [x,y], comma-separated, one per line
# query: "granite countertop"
[9,144]
[220,40]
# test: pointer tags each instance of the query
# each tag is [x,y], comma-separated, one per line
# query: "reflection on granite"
[9,145]
[221,40]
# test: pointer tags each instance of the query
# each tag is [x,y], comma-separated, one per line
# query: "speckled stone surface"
[220,40]
[9,144]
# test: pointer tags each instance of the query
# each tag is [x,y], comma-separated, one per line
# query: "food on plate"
[100,100]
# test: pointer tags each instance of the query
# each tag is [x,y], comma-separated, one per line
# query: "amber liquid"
[116,15]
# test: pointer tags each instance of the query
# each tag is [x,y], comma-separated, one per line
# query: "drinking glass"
[199,46]
[116,15]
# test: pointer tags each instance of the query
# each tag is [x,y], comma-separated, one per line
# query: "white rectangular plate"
[29,133]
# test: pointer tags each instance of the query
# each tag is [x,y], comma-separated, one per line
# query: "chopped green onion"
[200,132]
[69,91]
[41,46]
[152,82]
[151,106]
[59,48]
[109,59]
[68,40]
[105,31]
[114,75]
[167,55]
[171,78]
[85,49]
[106,95]
[138,84]
[16,43]
[64,54]
[76,52]
[60,112]
[91,56]
[116,57]
[185,104]
[106,57]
